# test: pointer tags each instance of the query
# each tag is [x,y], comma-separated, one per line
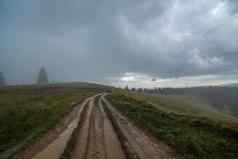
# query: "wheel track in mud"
[96,138]
[102,132]
[137,144]
[106,134]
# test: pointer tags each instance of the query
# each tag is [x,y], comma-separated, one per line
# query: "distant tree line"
[145,90]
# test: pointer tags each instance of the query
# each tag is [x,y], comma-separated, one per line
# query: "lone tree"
[42,77]
[126,88]
[2,80]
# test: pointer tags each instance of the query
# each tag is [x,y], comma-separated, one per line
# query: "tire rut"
[96,138]
[106,134]
[136,143]
[80,150]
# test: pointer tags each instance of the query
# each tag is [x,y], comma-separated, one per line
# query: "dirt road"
[97,138]
[104,133]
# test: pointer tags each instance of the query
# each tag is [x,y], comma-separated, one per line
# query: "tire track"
[136,143]
[81,146]
[113,147]
[97,138]
[106,134]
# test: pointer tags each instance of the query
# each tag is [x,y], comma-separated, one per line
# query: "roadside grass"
[28,112]
[192,137]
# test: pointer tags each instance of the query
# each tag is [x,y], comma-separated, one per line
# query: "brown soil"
[97,138]
[106,134]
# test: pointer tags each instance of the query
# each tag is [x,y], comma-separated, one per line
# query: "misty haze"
[128,79]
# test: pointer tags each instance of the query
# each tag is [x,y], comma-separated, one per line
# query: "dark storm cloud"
[94,40]
[233,6]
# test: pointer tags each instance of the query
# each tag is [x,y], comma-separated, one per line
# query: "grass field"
[27,112]
[192,137]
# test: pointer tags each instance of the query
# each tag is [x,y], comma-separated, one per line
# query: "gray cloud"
[92,40]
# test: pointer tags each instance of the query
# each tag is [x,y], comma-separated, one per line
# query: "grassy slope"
[29,111]
[192,137]
[187,105]
[224,99]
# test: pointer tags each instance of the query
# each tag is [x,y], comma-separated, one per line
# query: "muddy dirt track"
[97,138]
[106,134]
[103,133]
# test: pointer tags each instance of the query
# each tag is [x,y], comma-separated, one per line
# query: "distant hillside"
[224,99]
[231,85]
[187,105]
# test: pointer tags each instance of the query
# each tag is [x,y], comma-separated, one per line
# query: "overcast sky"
[175,42]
